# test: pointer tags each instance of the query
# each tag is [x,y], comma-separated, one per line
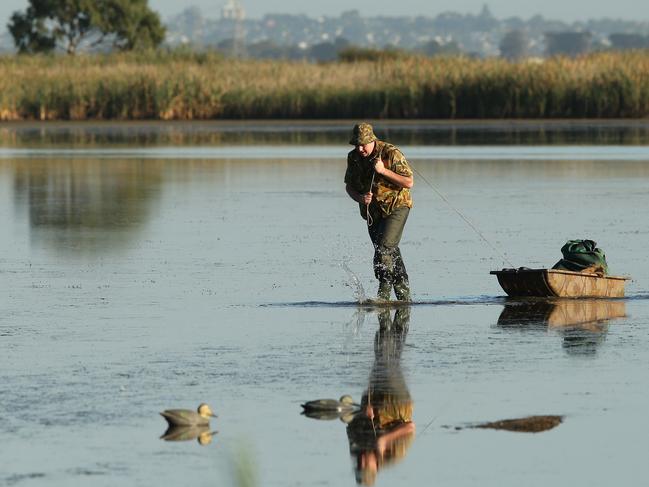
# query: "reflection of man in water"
[381,433]
[379,179]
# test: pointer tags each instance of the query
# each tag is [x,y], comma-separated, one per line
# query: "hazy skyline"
[555,9]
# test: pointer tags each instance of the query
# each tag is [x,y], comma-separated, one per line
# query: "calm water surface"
[146,267]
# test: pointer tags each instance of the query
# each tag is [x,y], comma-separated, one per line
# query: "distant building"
[233,13]
[480,34]
[233,10]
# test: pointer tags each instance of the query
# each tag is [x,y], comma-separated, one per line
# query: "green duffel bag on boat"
[582,256]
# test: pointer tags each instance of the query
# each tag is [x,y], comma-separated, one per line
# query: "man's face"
[365,149]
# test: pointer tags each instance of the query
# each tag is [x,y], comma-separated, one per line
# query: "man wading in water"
[379,178]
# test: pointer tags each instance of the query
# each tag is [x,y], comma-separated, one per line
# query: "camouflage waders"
[389,268]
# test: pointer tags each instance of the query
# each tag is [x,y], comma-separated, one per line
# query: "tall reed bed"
[210,87]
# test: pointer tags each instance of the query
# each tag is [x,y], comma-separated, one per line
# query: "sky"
[557,9]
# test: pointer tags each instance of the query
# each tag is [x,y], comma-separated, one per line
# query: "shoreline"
[271,125]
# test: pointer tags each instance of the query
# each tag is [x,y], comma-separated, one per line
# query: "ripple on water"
[16,478]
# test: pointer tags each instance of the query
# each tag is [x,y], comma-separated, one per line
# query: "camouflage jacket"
[387,195]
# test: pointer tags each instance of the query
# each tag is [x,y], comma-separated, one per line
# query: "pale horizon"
[525,9]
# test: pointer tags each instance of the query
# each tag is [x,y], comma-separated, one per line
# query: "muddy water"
[148,269]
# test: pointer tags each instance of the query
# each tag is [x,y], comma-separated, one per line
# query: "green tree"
[514,45]
[437,48]
[628,41]
[131,24]
[68,24]
[567,43]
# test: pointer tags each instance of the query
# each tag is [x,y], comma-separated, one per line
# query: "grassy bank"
[209,87]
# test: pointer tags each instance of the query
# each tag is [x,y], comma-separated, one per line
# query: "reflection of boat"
[559,283]
[581,322]
[561,313]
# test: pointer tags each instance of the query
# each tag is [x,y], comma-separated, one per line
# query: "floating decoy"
[344,403]
[329,408]
[187,417]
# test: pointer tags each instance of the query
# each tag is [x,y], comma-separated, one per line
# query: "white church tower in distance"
[233,10]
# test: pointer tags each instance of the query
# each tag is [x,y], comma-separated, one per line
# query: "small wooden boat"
[559,283]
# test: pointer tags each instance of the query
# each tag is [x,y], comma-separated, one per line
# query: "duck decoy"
[329,408]
[187,417]
[344,403]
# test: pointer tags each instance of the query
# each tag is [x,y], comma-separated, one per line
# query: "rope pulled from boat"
[466,220]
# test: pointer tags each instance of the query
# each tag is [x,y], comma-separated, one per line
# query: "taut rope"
[467,221]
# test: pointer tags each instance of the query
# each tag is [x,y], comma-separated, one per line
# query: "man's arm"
[393,177]
[366,198]
[385,440]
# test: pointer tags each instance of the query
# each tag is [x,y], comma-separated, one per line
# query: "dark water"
[152,267]
[201,134]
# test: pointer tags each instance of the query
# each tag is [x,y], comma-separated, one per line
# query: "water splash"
[355,324]
[352,333]
[355,283]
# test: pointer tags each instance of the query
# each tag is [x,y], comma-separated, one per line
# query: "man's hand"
[393,177]
[379,167]
[364,198]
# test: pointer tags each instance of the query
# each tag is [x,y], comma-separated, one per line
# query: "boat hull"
[559,283]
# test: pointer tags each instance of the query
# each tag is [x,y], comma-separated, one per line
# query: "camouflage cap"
[362,134]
